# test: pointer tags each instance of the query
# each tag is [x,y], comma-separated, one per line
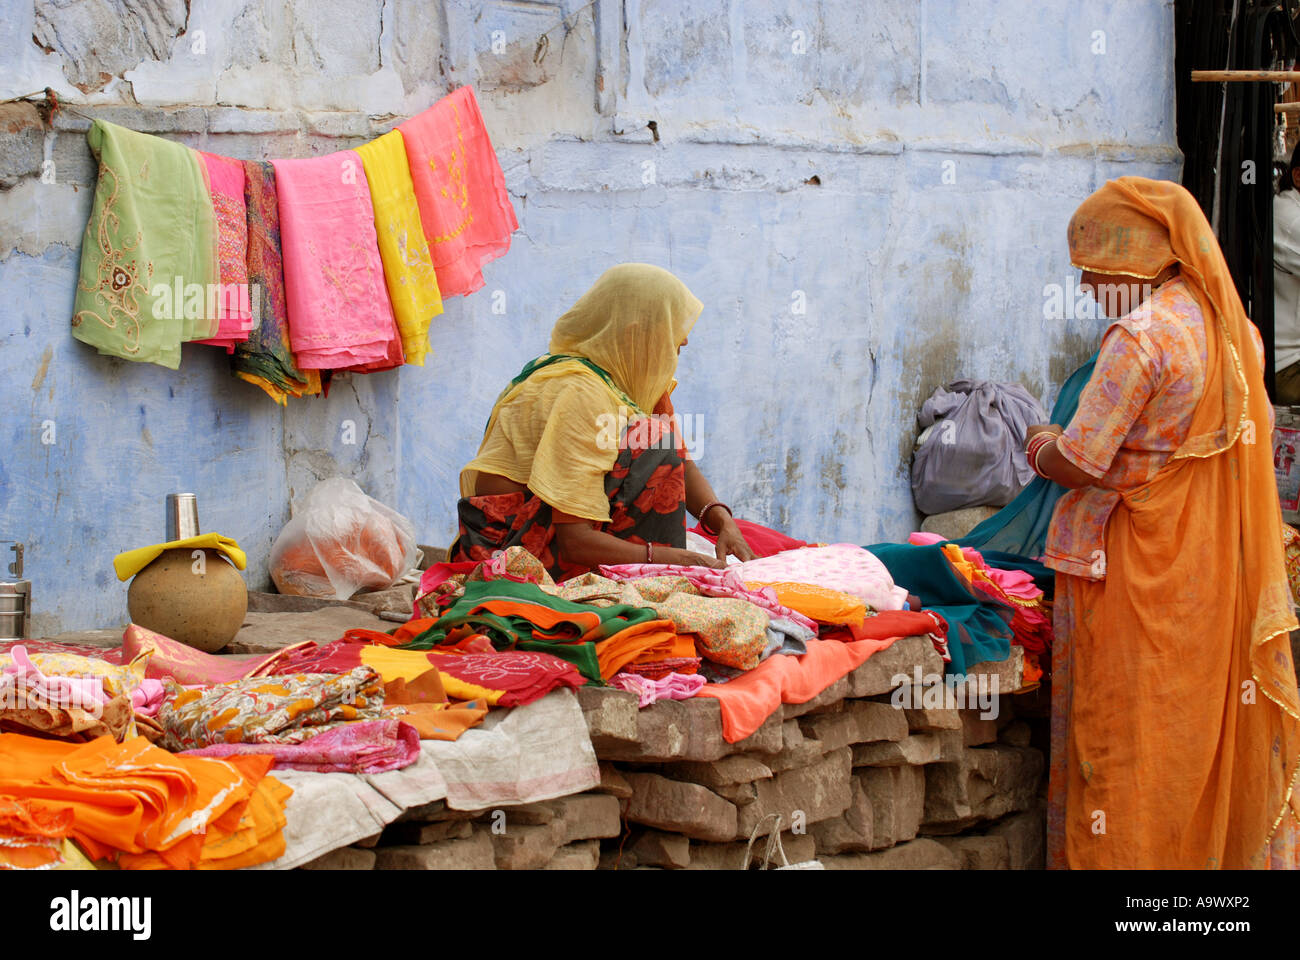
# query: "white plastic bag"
[340,542]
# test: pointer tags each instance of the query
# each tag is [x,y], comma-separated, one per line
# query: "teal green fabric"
[498,609]
[1020,528]
[979,628]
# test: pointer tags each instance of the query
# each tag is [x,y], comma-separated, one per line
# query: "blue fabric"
[979,627]
[1020,528]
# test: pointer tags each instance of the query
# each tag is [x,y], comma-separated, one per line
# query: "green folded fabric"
[149,253]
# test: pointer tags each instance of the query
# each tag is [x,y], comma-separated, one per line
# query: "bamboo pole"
[1246,76]
[1286,107]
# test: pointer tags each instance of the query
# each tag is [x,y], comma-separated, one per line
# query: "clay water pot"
[200,603]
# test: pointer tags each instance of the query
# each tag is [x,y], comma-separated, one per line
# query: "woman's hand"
[1038,428]
[732,541]
[687,558]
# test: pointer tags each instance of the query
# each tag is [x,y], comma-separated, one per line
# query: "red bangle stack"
[1036,445]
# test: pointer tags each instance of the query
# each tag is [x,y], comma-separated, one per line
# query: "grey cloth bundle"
[972,448]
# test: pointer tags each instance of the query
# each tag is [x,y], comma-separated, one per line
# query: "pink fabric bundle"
[83,692]
[675,686]
[233,302]
[1017,583]
[185,665]
[845,567]
[710,583]
[340,315]
[460,189]
[370,746]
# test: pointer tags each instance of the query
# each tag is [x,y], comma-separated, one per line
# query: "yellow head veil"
[630,324]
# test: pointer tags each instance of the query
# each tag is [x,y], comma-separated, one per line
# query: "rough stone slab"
[680,807]
[980,852]
[398,599]
[269,632]
[951,745]
[613,782]
[915,750]
[1003,676]
[976,730]
[796,749]
[919,854]
[670,730]
[860,721]
[897,796]
[802,796]
[933,718]
[425,833]
[474,853]
[526,847]
[344,858]
[588,816]
[658,849]
[1017,733]
[261,601]
[610,714]
[876,676]
[955,524]
[731,856]
[583,855]
[827,698]
[738,793]
[985,783]
[851,831]
[737,768]
[1026,837]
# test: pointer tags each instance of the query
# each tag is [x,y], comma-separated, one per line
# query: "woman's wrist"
[703,517]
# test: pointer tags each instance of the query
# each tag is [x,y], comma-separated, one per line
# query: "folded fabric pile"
[297,267]
[71,696]
[137,805]
[283,709]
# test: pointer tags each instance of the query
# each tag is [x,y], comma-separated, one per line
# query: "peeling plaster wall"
[777,177]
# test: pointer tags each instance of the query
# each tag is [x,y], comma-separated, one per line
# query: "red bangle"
[1035,450]
[703,513]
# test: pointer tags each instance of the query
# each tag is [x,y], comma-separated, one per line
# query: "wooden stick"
[1286,107]
[1245,76]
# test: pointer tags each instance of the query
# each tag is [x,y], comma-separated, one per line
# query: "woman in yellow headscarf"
[582,462]
[1175,717]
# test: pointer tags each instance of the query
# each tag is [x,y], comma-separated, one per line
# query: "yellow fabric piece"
[406,665]
[408,268]
[816,603]
[131,562]
[279,395]
[558,431]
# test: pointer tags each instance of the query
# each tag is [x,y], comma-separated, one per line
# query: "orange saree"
[1176,721]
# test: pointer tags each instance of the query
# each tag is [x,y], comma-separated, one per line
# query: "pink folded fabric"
[340,315]
[148,697]
[1017,583]
[371,746]
[711,583]
[60,691]
[674,686]
[233,303]
[845,567]
[460,189]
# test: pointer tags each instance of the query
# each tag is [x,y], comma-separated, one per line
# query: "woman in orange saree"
[1175,715]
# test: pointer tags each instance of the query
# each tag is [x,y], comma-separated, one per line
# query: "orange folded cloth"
[132,799]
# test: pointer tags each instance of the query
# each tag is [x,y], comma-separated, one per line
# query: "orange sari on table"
[1176,720]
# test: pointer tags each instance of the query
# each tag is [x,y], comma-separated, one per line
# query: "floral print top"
[1135,411]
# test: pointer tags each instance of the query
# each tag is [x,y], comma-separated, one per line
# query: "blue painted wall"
[903,170]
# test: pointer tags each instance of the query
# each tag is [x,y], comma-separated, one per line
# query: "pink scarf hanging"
[460,189]
[233,302]
[340,315]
